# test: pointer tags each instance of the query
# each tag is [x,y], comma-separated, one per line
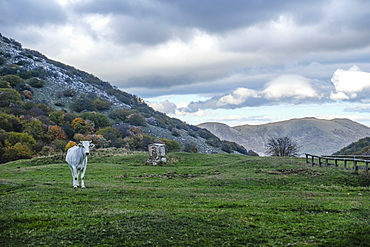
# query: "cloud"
[237,97]
[350,84]
[165,107]
[289,86]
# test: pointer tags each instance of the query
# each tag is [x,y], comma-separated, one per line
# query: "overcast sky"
[231,61]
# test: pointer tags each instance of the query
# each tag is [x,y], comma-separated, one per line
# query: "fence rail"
[349,162]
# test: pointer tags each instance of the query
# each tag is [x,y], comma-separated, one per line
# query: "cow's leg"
[82,177]
[74,176]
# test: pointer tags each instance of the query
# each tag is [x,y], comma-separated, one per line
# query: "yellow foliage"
[70,144]
[76,121]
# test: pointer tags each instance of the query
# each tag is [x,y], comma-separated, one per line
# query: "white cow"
[77,161]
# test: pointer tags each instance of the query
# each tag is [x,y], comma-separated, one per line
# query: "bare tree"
[282,146]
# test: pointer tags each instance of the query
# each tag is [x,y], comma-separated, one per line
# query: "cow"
[77,160]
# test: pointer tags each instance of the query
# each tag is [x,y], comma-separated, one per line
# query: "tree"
[282,146]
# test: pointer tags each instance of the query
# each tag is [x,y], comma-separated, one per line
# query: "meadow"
[193,200]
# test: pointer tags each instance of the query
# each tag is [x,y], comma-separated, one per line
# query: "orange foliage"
[56,132]
[70,144]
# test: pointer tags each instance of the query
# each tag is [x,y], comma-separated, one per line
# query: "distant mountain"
[315,136]
[44,104]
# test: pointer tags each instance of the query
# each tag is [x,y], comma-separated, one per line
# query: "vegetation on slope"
[194,200]
[44,105]
[361,147]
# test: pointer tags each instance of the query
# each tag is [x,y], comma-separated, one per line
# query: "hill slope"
[45,103]
[316,136]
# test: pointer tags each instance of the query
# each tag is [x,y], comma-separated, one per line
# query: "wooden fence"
[349,162]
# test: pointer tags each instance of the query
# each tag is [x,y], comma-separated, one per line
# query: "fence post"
[326,162]
[312,160]
[306,158]
[367,168]
[345,164]
[319,161]
[336,162]
[355,166]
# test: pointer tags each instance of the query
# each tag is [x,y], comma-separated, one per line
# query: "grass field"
[194,200]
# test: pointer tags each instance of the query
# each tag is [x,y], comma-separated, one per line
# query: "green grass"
[194,200]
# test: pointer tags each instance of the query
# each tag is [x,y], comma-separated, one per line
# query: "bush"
[136,120]
[55,132]
[46,151]
[120,115]
[101,105]
[57,117]
[18,151]
[4,84]
[69,145]
[175,132]
[9,96]
[171,145]
[23,138]
[36,82]
[100,120]
[190,148]
[13,80]
[36,129]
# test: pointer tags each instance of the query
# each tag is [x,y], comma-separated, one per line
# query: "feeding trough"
[157,152]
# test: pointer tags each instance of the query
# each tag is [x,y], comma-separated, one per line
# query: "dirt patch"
[298,171]
[168,175]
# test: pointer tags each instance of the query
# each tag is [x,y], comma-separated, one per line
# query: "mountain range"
[312,135]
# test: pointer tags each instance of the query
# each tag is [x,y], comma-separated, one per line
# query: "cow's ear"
[80,144]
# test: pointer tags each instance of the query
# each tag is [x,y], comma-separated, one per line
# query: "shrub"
[46,151]
[55,132]
[100,120]
[36,129]
[18,151]
[13,80]
[57,117]
[137,120]
[214,142]
[190,148]
[171,145]
[120,115]
[23,138]
[69,145]
[109,133]
[36,82]
[175,132]
[101,104]
[9,96]
[4,84]
[58,144]
[2,60]
[82,126]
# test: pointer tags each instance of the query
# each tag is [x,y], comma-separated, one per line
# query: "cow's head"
[86,145]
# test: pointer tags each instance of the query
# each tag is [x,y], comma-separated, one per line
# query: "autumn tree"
[55,132]
[282,146]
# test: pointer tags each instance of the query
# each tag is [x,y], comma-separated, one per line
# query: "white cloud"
[165,106]
[237,97]
[348,83]
[285,86]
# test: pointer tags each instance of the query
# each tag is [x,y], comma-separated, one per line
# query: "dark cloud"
[17,14]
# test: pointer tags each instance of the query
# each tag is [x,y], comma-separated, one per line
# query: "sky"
[229,61]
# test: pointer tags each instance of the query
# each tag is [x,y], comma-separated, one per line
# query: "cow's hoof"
[83,187]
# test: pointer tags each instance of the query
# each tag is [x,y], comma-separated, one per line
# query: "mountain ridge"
[313,135]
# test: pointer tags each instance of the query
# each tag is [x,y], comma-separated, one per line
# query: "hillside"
[360,147]
[316,136]
[44,104]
